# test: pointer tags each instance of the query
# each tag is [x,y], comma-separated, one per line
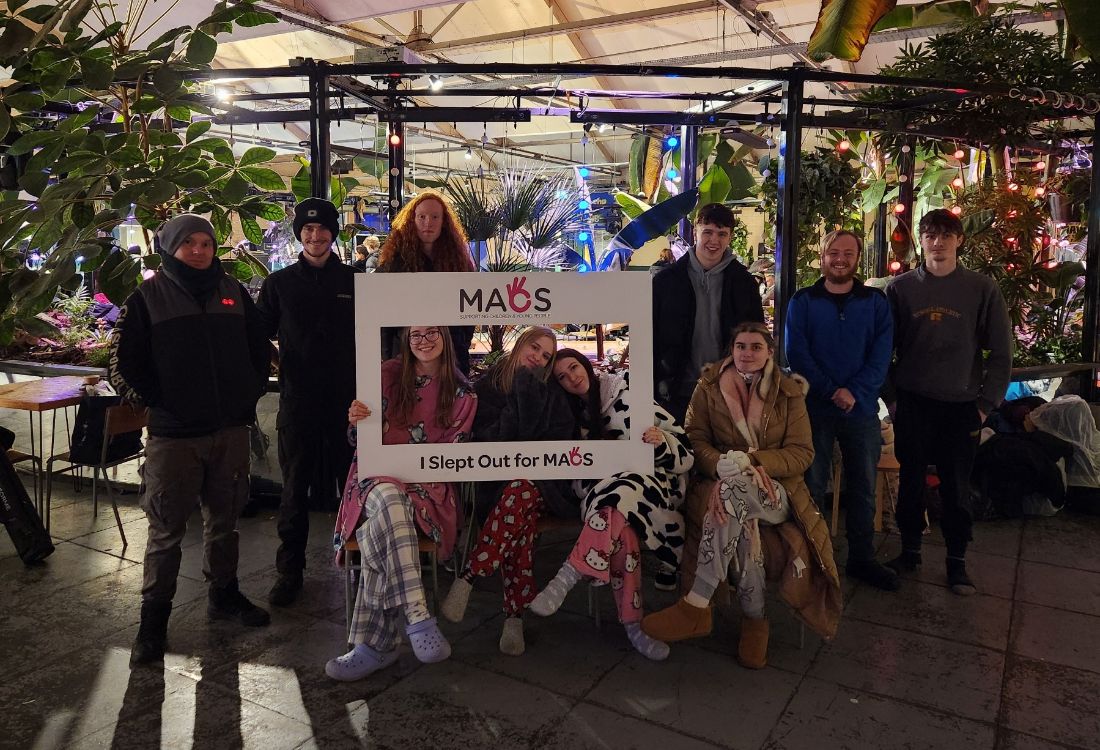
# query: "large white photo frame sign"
[542,298]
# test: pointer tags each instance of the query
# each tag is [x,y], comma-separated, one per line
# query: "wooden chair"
[887,464]
[352,570]
[118,420]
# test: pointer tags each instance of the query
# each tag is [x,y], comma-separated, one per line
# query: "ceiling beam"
[582,49]
[446,20]
[566,27]
[763,23]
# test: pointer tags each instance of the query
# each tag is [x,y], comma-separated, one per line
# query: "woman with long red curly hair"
[426,235]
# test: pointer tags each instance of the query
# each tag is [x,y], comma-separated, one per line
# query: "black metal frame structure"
[398,106]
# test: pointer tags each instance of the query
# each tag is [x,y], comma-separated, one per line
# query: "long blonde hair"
[504,373]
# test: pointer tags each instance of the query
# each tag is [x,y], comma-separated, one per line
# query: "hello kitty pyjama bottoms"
[744,502]
[508,542]
[608,551]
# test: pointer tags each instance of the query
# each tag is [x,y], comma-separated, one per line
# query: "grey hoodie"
[708,339]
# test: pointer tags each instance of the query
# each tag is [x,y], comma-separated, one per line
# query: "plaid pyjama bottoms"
[390,578]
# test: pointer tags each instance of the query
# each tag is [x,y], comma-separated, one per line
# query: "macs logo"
[513,298]
[572,457]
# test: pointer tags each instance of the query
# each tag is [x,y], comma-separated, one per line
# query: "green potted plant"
[828,198]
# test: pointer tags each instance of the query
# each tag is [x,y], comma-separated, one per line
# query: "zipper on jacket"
[210,354]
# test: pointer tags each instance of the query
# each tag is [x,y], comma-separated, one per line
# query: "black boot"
[957,578]
[152,637]
[229,603]
[874,573]
[908,561]
[286,589]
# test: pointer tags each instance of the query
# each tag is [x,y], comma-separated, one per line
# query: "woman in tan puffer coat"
[748,503]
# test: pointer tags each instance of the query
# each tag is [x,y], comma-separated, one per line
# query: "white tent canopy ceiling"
[762,34]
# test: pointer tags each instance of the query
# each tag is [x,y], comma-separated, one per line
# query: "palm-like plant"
[477,209]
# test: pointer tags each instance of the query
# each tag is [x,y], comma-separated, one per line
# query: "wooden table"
[38,397]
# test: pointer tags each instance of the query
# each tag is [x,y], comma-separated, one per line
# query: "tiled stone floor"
[1016,666]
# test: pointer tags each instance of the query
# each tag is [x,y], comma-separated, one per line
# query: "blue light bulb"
[582,205]
[583,172]
[672,141]
[583,237]
[672,173]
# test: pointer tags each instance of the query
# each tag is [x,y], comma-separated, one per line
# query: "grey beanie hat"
[176,230]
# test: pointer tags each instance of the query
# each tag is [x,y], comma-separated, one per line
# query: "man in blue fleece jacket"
[839,336]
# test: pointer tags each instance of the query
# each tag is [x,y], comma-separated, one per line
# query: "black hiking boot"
[152,636]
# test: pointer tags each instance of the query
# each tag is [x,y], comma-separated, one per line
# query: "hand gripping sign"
[399,300]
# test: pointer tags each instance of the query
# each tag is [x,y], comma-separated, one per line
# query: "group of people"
[743,450]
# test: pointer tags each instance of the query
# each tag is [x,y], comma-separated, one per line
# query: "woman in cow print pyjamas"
[627,510]
[516,401]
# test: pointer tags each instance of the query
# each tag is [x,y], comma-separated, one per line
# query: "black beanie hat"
[316,211]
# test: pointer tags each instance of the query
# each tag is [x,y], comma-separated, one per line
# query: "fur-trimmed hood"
[790,383]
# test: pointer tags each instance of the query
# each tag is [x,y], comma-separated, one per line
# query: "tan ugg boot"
[678,622]
[752,651]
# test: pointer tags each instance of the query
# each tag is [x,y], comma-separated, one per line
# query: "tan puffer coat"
[811,588]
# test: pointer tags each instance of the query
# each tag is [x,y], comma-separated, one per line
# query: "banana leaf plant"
[101,131]
[844,26]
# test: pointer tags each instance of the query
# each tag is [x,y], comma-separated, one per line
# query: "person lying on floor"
[748,501]
[517,401]
[624,511]
[425,399]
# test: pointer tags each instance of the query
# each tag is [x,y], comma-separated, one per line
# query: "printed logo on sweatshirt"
[513,298]
[936,314]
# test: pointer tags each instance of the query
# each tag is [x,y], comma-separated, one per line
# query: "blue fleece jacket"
[840,344]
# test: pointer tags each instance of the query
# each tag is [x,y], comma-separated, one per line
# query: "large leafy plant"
[1004,230]
[103,132]
[986,50]
[828,199]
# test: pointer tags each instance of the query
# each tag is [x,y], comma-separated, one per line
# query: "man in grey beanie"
[191,347]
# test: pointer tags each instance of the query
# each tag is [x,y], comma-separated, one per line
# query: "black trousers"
[928,431]
[314,455]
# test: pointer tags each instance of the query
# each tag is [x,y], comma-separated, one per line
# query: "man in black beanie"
[191,347]
[309,307]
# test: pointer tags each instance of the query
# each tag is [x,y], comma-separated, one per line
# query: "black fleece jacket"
[311,311]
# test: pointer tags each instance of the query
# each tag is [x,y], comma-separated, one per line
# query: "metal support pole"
[1092,274]
[906,198]
[882,250]
[689,135]
[786,230]
[396,142]
[320,155]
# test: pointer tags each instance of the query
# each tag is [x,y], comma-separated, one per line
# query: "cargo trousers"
[179,473]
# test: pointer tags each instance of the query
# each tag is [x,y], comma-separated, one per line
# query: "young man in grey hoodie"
[953,359]
[696,303]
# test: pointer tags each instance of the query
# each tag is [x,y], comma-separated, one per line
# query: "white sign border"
[400,299]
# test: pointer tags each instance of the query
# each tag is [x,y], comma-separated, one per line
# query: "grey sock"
[648,647]
[550,598]
[703,588]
